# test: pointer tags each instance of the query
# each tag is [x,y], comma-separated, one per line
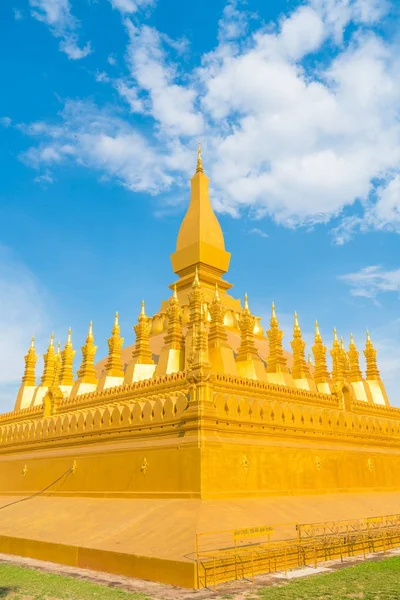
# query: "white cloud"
[297,141]
[101,77]
[337,14]
[22,314]
[172,105]
[302,32]
[385,213]
[131,6]
[257,231]
[112,60]
[18,14]
[5,121]
[44,179]
[301,148]
[373,280]
[130,93]
[234,22]
[57,15]
[99,139]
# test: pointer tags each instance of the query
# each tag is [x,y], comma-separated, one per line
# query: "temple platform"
[155,539]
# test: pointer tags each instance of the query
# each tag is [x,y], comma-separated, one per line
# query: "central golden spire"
[200,240]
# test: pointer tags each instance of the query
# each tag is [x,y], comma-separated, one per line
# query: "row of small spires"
[58,367]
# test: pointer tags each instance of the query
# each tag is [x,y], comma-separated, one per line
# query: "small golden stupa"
[205,423]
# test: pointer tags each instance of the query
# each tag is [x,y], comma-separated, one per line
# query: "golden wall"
[259,439]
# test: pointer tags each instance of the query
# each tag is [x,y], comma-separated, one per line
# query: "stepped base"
[155,539]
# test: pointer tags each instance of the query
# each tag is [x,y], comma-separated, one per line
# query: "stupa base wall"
[225,466]
[156,539]
[177,573]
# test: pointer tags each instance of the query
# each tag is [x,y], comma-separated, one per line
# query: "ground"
[376,579]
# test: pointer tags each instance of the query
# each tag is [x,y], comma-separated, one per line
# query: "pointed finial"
[342,343]
[175,295]
[115,331]
[91,328]
[52,339]
[30,362]
[58,347]
[335,337]
[69,335]
[296,320]
[368,336]
[142,310]
[216,295]
[246,302]
[317,328]
[199,167]
[273,315]
[352,340]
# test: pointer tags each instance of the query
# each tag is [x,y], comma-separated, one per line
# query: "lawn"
[18,583]
[366,581]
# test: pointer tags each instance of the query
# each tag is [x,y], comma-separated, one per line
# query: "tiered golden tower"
[204,406]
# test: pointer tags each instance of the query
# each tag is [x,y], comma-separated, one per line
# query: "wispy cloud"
[131,6]
[56,14]
[44,179]
[172,105]
[100,139]
[371,281]
[18,14]
[259,232]
[5,121]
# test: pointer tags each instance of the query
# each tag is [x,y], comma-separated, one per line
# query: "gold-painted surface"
[115,342]
[200,241]
[172,356]
[28,384]
[29,377]
[276,362]
[321,373]
[338,363]
[142,352]
[49,364]
[67,362]
[248,363]
[221,354]
[315,543]
[193,438]
[142,365]
[87,372]
[252,531]
[354,370]
[372,373]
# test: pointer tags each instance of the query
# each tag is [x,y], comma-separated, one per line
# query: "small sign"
[253,532]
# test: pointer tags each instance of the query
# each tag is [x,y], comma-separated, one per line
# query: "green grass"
[18,583]
[366,581]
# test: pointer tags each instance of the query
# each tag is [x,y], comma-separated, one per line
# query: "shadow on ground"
[5,591]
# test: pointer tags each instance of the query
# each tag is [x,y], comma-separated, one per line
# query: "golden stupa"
[206,423]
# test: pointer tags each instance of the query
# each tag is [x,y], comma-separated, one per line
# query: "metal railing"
[235,557]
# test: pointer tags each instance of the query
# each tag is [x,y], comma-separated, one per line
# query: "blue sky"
[102,105]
